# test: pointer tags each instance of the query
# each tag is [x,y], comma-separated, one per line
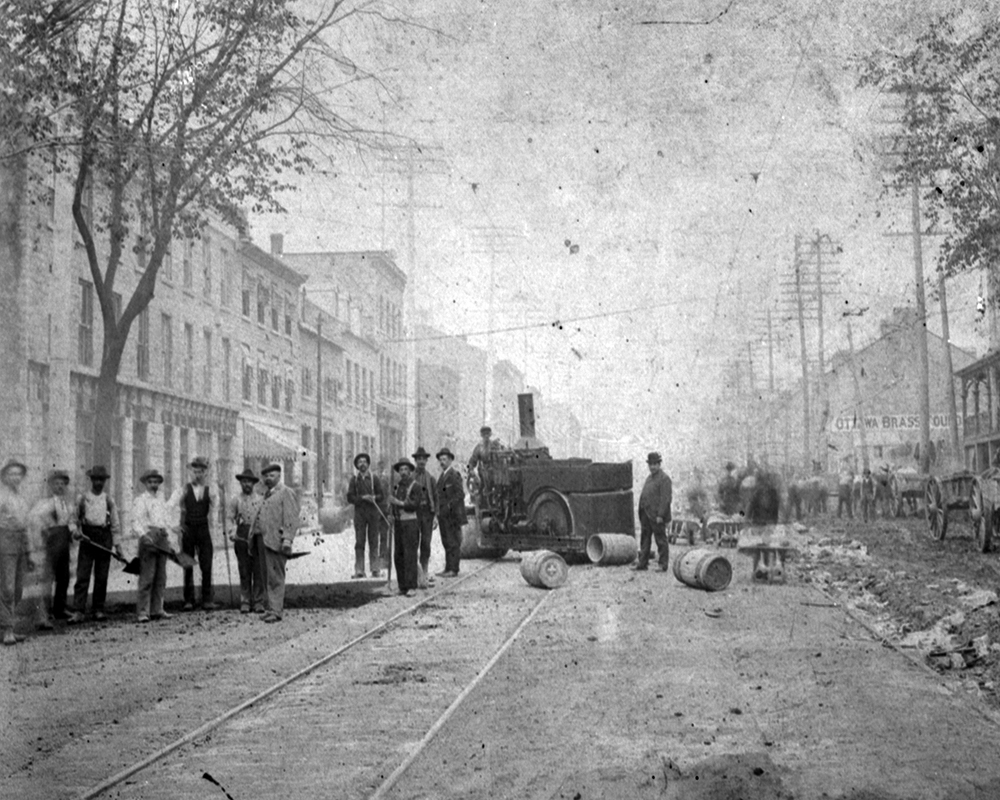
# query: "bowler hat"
[359,456]
[403,463]
[199,461]
[444,451]
[98,473]
[274,466]
[247,475]
[13,464]
[654,458]
[485,429]
[421,453]
[151,474]
[57,475]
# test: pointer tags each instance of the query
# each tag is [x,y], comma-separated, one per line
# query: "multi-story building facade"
[363,294]
[208,369]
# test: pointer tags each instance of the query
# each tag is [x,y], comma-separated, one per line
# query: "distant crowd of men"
[36,539]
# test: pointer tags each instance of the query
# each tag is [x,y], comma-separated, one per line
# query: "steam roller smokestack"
[526,414]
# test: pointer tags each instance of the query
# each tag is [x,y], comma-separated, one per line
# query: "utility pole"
[859,410]
[956,445]
[319,409]
[806,418]
[921,333]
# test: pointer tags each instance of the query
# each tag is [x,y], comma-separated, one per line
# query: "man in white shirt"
[151,522]
[56,525]
[198,504]
[98,518]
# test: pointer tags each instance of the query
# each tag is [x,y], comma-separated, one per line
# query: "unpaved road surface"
[622,685]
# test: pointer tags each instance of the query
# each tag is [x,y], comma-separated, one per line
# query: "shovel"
[131,567]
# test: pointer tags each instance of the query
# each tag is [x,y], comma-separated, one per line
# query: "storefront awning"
[263,441]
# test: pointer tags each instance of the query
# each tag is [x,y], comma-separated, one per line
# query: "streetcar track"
[224,717]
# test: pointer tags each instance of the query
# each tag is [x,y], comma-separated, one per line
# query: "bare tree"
[168,111]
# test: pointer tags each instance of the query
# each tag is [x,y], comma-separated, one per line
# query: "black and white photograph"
[452,400]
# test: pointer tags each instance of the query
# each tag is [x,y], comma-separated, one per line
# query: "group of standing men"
[417,502]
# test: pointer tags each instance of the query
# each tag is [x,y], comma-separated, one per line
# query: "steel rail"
[224,717]
[397,773]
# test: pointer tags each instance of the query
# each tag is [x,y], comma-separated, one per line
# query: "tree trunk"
[106,416]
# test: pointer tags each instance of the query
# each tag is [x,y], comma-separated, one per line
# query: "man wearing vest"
[197,502]
[243,511]
[426,510]
[98,518]
[451,511]
[405,501]
[365,493]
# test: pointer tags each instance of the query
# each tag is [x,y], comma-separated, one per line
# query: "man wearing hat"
[151,523]
[405,501]
[243,511]
[55,519]
[426,508]
[480,458]
[450,511]
[98,520]
[654,514]
[366,494]
[868,490]
[15,554]
[271,536]
[197,502]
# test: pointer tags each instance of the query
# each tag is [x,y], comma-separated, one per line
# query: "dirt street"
[624,685]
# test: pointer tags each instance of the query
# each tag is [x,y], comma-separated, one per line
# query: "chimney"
[277,244]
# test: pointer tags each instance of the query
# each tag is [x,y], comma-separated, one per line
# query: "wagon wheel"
[982,517]
[549,512]
[937,512]
[896,495]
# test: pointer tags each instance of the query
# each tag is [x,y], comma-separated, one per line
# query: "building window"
[226,370]
[225,279]
[262,384]
[307,445]
[363,394]
[288,315]
[168,460]
[261,304]
[167,265]
[276,390]
[206,267]
[225,459]
[207,372]
[357,383]
[142,346]
[204,439]
[275,310]
[247,380]
[371,391]
[307,383]
[328,390]
[140,448]
[189,357]
[167,345]
[350,383]
[289,395]
[188,266]
[185,451]
[246,291]
[85,330]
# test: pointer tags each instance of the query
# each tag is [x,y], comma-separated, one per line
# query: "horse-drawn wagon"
[907,488]
[963,491]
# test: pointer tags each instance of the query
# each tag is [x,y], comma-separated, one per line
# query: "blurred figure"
[845,484]
[56,523]
[728,491]
[868,490]
[15,551]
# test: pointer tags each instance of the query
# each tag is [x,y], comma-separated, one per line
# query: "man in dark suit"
[450,511]
[426,510]
[654,514]
[365,493]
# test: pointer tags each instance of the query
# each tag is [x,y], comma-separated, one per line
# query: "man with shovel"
[151,520]
[98,533]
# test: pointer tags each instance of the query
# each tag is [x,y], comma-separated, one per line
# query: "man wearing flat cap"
[98,520]
[426,509]
[198,503]
[243,510]
[55,521]
[271,535]
[366,493]
[654,514]
[451,511]
[406,540]
[15,552]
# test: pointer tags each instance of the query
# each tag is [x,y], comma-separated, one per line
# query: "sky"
[636,172]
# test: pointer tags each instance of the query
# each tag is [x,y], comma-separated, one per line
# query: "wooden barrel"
[544,569]
[606,549]
[703,569]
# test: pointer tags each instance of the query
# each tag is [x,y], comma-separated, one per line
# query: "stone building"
[362,291]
